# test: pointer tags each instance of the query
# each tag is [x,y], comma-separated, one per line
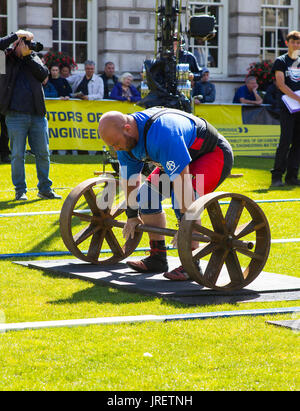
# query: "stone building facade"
[123,31]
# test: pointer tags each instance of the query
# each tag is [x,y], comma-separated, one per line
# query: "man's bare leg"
[156,220]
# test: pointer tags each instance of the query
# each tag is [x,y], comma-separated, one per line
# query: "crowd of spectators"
[62,84]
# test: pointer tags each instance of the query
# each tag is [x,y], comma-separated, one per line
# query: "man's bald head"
[110,123]
[118,130]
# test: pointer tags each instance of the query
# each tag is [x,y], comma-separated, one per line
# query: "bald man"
[192,159]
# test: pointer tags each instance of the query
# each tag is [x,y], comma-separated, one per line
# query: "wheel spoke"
[113,243]
[86,233]
[217,218]
[204,250]
[215,265]
[82,216]
[207,232]
[96,245]
[248,228]
[233,214]
[234,268]
[251,254]
[90,197]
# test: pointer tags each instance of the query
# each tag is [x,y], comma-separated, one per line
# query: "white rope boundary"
[143,318]
[165,206]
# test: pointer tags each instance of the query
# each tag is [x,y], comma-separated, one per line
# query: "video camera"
[32,45]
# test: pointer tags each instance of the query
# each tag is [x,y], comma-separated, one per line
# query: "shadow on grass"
[11,204]
[77,159]
[254,163]
[273,190]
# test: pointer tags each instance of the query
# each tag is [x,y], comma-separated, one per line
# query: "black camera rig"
[161,72]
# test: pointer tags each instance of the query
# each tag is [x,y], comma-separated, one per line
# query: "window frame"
[293,10]
[222,48]
[11,16]
[91,42]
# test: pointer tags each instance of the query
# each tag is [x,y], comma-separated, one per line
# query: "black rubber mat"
[266,287]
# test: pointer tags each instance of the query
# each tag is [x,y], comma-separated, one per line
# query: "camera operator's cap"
[205,70]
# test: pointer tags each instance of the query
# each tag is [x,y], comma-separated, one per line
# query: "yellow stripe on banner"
[73,124]
[220,114]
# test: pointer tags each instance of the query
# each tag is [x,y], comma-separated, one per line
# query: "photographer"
[22,102]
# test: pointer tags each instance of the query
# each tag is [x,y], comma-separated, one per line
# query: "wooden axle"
[167,232]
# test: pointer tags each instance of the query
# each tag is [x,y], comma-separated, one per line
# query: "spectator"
[109,78]
[204,91]
[61,84]
[22,102]
[186,57]
[124,90]
[272,97]
[65,71]
[271,94]
[4,149]
[247,94]
[87,86]
[49,89]
[287,158]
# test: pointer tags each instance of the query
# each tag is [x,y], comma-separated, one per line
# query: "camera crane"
[161,73]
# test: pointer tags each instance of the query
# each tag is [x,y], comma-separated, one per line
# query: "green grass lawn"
[215,354]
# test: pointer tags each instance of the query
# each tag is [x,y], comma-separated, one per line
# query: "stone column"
[36,16]
[244,35]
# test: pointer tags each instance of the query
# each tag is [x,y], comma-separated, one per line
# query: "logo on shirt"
[294,71]
[170,165]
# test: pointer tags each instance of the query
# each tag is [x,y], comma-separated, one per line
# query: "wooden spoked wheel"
[85,222]
[236,234]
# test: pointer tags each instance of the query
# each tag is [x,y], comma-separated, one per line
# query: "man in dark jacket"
[23,104]
[109,78]
[186,57]
[204,91]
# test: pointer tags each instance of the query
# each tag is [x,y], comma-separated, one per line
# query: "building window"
[278,17]
[70,28]
[8,17]
[3,18]
[212,53]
